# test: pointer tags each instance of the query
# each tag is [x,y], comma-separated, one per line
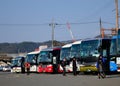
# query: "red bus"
[48,60]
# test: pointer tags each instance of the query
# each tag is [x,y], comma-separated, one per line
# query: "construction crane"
[103,30]
[69,28]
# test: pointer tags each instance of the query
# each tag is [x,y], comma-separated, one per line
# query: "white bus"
[65,53]
[90,50]
[31,58]
[75,52]
[69,51]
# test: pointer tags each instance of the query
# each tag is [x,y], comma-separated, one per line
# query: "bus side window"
[104,53]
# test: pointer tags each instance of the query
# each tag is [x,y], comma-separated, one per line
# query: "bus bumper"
[16,70]
[88,69]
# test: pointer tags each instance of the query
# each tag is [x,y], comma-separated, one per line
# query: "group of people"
[74,66]
[100,66]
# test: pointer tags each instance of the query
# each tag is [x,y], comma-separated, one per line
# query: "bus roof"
[51,49]
[77,42]
[67,45]
[95,39]
[34,52]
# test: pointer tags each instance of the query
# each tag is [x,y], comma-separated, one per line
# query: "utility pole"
[117,16]
[101,29]
[53,27]
[117,24]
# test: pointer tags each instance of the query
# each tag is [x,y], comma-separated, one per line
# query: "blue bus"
[17,65]
[115,53]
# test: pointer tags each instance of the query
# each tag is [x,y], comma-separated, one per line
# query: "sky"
[29,20]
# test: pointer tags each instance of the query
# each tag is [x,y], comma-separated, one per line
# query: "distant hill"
[25,46]
[31,46]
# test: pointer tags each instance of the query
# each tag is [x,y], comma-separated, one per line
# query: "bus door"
[56,60]
[104,51]
[118,51]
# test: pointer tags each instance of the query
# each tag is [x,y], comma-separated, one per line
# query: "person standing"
[100,67]
[74,64]
[64,66]
[27,66]
[22,65]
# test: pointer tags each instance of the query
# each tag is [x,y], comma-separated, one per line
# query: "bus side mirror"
[54,60]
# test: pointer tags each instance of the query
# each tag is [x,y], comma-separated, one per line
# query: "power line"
[44,24]
[23,24]
[108,23]
[99,10]
[78,23]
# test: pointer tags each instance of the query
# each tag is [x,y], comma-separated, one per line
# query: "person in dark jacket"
[74,64]
[22,65]
[100,67]
[64,66]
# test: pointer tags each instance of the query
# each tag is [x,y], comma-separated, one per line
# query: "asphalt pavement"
[13,79]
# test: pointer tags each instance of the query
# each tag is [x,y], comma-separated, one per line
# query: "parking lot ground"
[13,79]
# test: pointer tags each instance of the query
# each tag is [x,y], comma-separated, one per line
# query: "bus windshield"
[65,53]
[119,45]
[75,51]
[31,58]
[45,56]
[113,50]
[89,48]
[16,62]
[113,47]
